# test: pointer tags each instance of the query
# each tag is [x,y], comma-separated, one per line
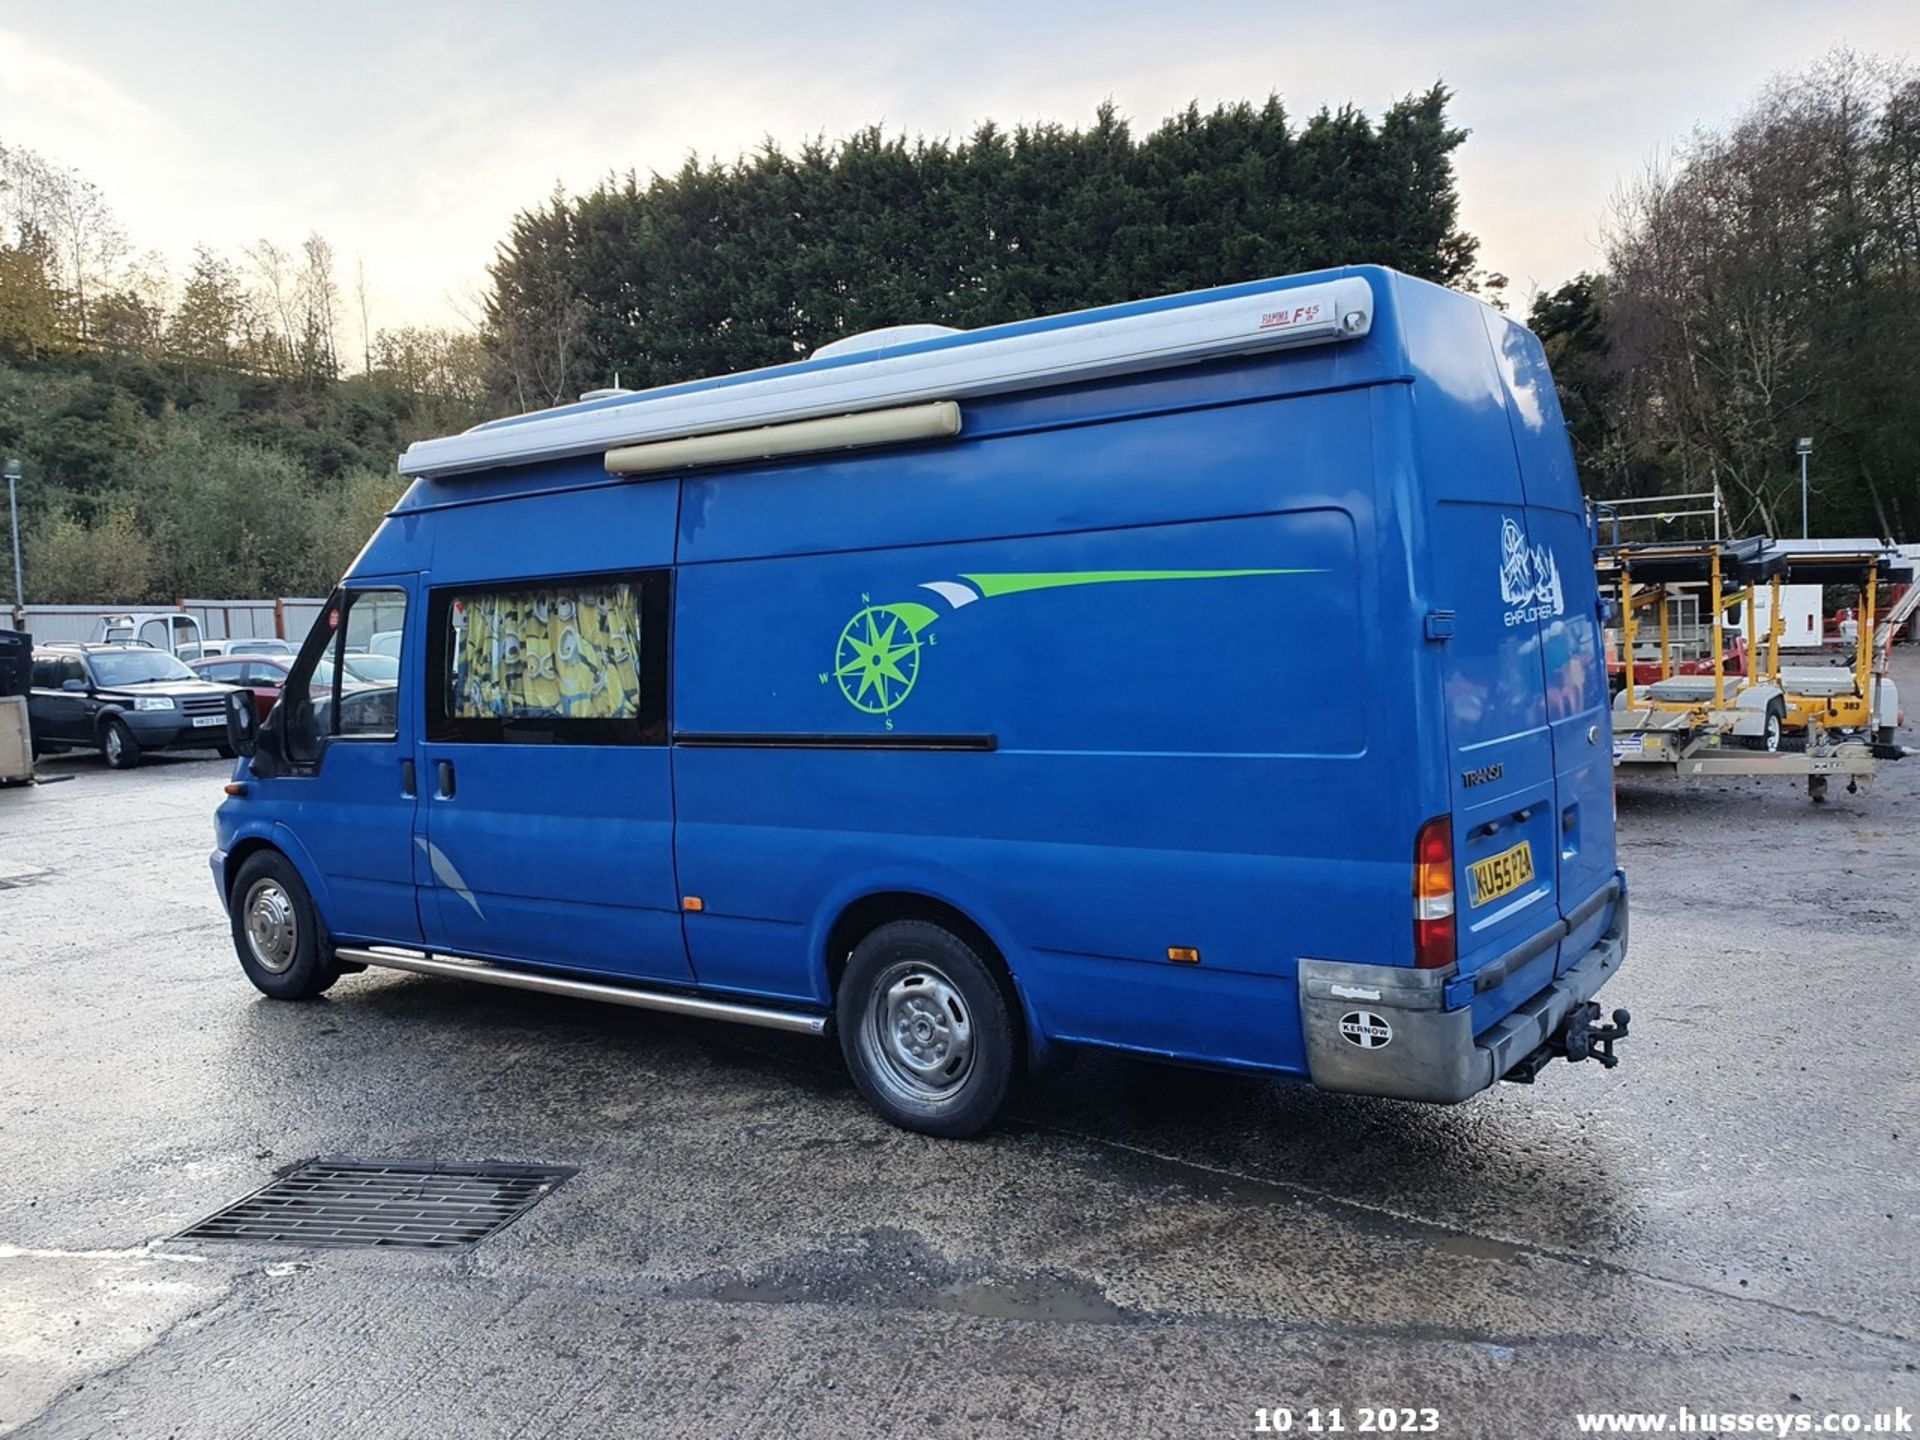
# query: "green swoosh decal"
[915,617]
[1014,583]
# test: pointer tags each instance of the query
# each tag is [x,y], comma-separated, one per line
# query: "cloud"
[61,96]
[410,134]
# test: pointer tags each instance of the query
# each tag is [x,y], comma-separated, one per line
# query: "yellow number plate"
[1501,874]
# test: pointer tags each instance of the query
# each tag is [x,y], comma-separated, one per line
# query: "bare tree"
[366,325]
[319,297]
[276,295]
[68,211]
[1762,287]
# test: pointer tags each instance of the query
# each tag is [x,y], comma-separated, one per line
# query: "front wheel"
[926,1031]
[117,744]
[276,930]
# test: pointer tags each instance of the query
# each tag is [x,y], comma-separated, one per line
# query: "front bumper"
[173,730]
[1384,1029]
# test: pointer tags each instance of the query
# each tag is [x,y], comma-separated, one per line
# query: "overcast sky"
[408,132]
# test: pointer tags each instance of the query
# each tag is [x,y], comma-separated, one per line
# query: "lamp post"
[1803,448]
[14,473]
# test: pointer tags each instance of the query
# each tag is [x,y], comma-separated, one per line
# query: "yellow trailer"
[1705,716]
[1857,698]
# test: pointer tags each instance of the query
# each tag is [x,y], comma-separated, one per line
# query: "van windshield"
[136,667]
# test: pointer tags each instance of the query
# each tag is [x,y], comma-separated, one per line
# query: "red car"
[266,674]
[1646,672]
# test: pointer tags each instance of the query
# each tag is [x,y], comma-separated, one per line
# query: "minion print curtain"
[572,653]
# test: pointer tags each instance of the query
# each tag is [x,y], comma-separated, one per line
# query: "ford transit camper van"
[1215,678]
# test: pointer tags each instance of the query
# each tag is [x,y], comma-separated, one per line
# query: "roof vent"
[883,338]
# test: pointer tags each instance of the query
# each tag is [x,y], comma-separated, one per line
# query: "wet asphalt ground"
[1727,1221]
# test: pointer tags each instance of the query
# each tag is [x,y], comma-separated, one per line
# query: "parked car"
[262,674]
[239,645]
[265,675]
[122,700]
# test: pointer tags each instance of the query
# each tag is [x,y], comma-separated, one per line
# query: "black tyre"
[926,1030]
[1769,738]
[117,744]
[277,932]
[225,751]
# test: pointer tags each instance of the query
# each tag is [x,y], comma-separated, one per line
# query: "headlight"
[153,702]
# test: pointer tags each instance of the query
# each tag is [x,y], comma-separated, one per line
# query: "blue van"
[1215,678]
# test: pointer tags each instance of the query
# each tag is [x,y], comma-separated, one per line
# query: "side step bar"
[798,1022]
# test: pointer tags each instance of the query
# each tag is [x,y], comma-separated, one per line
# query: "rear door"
[1500,754]
[55,712]
[1566,606]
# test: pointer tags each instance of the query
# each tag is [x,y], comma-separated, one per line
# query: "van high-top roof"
[904,365]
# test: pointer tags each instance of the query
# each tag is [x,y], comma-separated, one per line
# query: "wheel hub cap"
[920,1032]
[273,935]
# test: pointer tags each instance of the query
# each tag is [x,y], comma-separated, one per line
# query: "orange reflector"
[1181,955]
[692,902]
[236,787]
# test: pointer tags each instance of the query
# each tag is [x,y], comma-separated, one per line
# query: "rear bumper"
[1383,1029]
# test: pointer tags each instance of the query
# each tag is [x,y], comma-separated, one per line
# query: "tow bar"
[1581,1036]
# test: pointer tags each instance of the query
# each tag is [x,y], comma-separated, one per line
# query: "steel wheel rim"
[917,1035]
[273,931]
[1772,737]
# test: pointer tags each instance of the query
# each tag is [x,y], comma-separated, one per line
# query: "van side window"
[567,662]
[327,695]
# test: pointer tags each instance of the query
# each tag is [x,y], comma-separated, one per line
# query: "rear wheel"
[1769,737]
[276,930]
[117,744]
[926,1030]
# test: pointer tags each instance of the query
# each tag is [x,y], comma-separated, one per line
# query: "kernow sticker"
[1365,1028]
[1529,577]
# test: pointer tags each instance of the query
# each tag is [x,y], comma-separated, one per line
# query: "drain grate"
[406,1204]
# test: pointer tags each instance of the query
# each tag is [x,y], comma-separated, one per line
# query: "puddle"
[894,1269]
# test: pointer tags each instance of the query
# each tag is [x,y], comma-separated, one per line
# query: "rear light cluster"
[1434,938]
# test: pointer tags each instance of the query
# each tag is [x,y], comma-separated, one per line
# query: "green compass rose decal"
[877,658]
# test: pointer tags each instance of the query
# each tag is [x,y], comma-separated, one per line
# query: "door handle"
[409,786]
[444,769]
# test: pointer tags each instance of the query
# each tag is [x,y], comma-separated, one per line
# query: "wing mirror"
[74,687]
[243,722]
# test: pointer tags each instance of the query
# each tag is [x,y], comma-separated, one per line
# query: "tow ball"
[1581,1036]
